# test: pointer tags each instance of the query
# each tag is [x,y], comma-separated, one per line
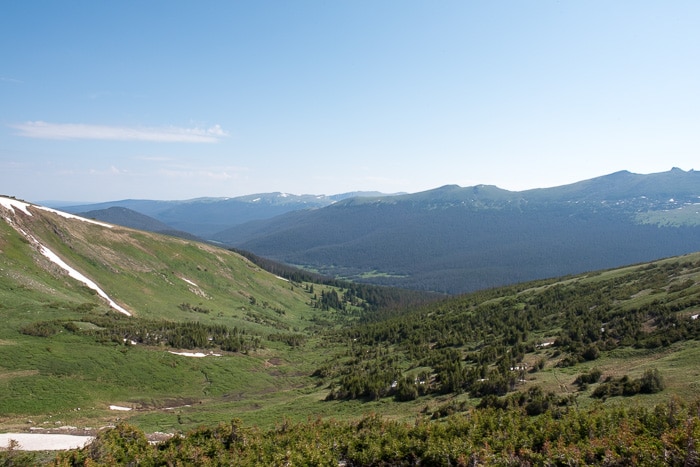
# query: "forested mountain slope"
[455,239]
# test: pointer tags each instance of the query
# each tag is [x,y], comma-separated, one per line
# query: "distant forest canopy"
[454,249]
[454,239]
[373,298]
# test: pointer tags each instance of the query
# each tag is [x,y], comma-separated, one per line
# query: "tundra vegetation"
[598,368]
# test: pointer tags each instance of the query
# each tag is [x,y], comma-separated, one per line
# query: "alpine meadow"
[221,357]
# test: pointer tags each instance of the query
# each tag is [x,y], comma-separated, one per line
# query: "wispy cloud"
[210,173]
[8,79]
[112,170]
[45,130]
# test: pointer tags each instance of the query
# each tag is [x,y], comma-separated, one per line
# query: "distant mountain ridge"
[204,217]
[453,239]
[129,218]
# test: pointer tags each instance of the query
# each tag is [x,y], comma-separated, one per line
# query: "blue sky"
[181,99]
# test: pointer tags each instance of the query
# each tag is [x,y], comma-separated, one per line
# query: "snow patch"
[53,257]
[178,407]
[196,354]
[72,216]
[45,441]
[189,282]
[11,204]
[119,408]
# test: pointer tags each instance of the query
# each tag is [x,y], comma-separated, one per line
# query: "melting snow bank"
[53,257]
[189,282]
[73,216]
[119,407]
[12,204]
[44,441]
[196,354]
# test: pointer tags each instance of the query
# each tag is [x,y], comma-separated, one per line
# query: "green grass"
[72,377]
[680,217]
[151,275]
[375,274]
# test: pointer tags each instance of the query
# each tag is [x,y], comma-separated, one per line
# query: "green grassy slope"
[65,355]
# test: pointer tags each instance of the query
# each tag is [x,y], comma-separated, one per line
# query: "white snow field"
[44,441]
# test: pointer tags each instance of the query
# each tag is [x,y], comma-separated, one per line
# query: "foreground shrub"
[651,382]
[666,435]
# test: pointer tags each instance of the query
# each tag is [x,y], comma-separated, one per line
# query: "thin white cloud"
[215,174]
[45,130]
[8,79]
[154,158]
[112,170]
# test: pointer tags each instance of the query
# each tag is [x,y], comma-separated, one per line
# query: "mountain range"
[455,239]
[204,217]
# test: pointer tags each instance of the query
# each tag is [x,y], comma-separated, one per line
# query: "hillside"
[97,315]
[104,323]
[135,220]
[621,323]
[455,239]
